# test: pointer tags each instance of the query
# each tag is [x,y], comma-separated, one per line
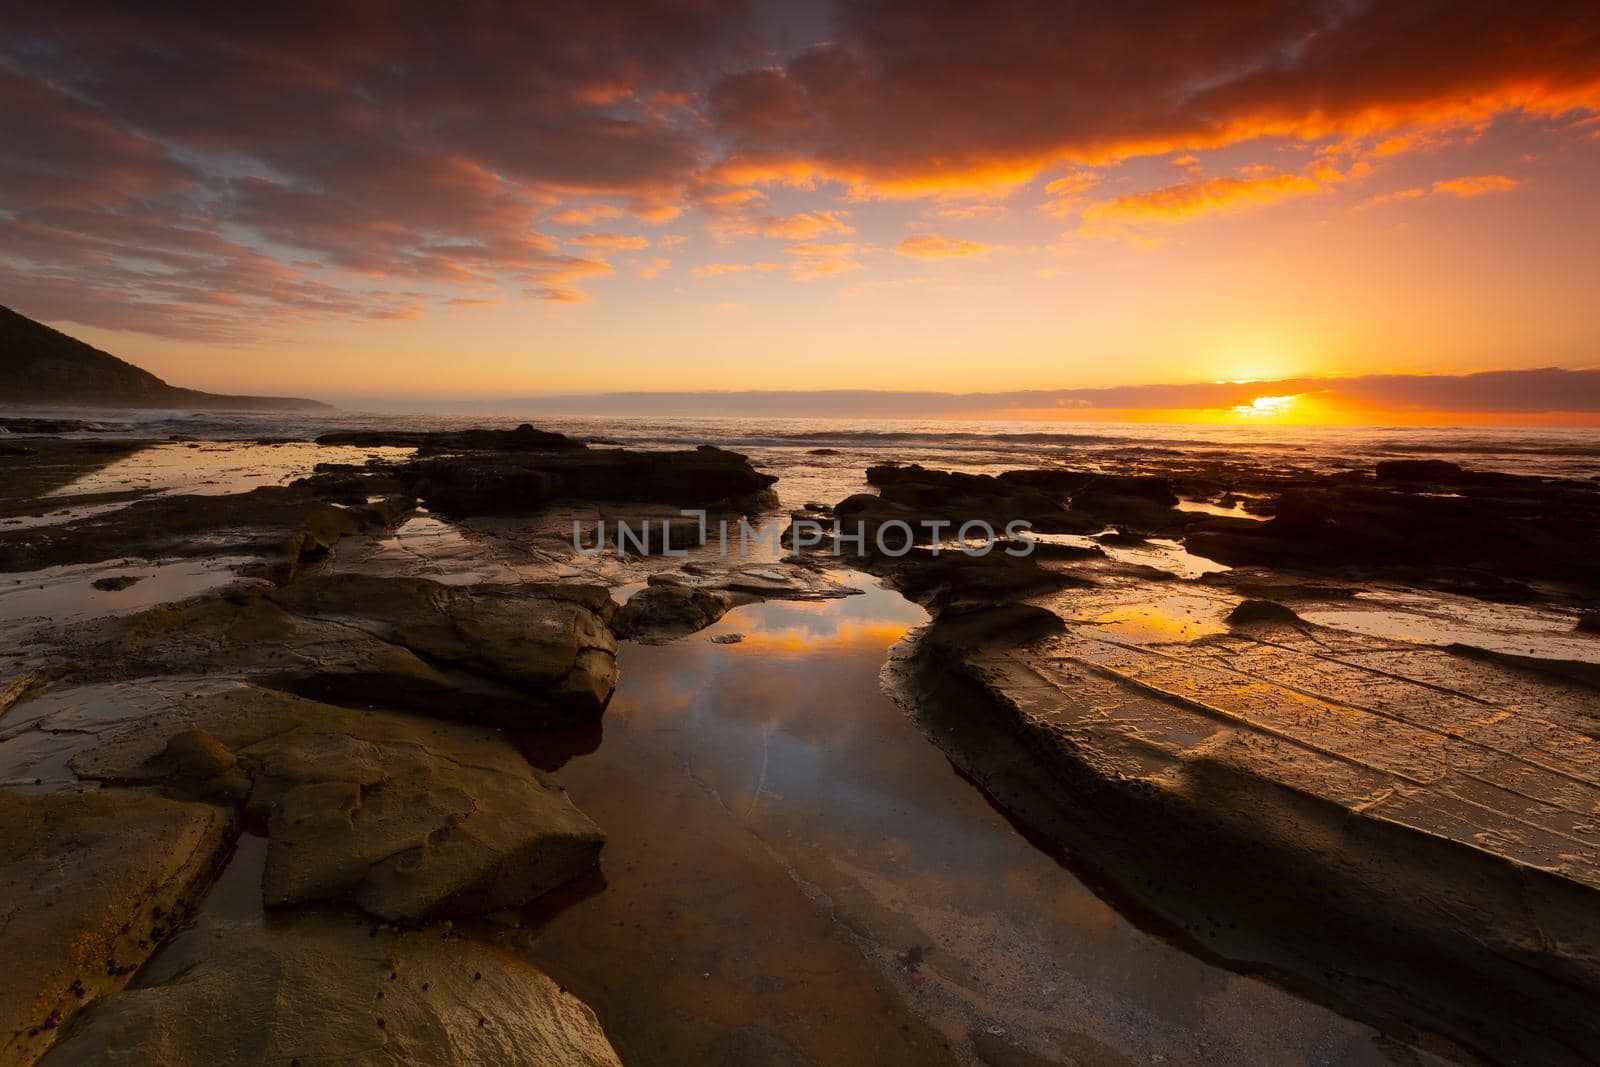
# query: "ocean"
[823,459]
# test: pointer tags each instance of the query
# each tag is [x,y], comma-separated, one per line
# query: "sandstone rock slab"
[321,989]
[515,655]
[89,886]
[406,817]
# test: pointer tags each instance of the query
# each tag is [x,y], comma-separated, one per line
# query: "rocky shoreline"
[335,716]
[374,715]
[1406,829]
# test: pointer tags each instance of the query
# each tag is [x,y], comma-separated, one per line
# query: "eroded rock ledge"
[1408,829]
[407,818]
[91,884]
[311,711]
[321,989]
[515,655]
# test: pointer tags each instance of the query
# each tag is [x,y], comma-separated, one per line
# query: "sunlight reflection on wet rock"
[1443,620]
[68,593]
[213,468]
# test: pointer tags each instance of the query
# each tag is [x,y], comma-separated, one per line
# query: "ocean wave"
[1489,448]
[1547,451]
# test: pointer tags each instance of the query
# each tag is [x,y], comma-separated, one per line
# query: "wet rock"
[1150,488]
[1148,503]
[1238,785]
[91,884]
[17,686]
[524,438]
[791,579]
[664,611]
[405,817]
[954,578]
[727,639]
[647,535]
[1442,472]
[489,483]
[305,990]
[1419,470]
[285,525]
[994,1051]
[195,765]
[50,426]
[1263,585]
[971,628]
[115,583]
[548,640]
[1583,672]
[515,655]
[914,494]
[1522,532]
[1048,550]
[42,465]
[751,1045]
[1261,611]
[1050,500]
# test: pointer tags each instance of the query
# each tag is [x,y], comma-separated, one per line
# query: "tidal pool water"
[796,874]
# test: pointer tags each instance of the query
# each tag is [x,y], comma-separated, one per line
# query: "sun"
[1266,407]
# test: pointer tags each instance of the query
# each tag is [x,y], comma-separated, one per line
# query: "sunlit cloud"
[583,216]
[803,226]
[273,178]
[1476,186]
[616,241]
[1068,193]
[823,260]
[717,270]
[1186,200]
[935,246]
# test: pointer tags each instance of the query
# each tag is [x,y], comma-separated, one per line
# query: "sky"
[407,200]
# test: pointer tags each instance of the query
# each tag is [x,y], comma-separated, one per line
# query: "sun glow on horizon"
[1266,407]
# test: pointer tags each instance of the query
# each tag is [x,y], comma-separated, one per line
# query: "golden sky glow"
[641,196]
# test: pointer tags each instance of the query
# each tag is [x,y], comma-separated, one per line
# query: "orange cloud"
[717,270]
[432,182]
[1186,200]
[804,226]
[823,260]
[1067,193]
[883,106]
[1476,186]
[582,216]
[619,242]
[936,246]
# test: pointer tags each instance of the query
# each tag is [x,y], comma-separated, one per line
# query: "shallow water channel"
[795,874]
